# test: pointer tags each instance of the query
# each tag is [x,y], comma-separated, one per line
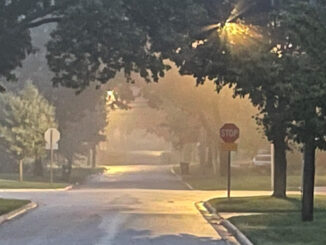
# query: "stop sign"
[229,133]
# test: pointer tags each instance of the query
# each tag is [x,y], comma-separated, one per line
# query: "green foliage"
[306,30]
[24,119]
[97,39]
[16,19]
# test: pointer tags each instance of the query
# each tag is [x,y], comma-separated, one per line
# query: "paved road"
[129,205]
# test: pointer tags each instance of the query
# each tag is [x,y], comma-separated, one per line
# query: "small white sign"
[54,135]
[55,146]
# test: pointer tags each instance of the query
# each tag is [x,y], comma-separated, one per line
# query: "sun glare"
[236,29]
[236,34]
[239,34]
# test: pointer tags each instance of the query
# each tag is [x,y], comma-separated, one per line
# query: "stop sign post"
[229,133]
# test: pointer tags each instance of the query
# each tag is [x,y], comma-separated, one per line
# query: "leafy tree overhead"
[97,39]
[17,17]
[112,36]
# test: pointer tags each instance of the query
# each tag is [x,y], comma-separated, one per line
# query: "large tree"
[306,32]
[259,73]
[24,119]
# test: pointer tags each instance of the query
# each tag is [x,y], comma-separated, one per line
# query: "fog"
[166,122]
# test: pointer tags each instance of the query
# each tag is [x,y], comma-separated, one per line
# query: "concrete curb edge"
[18,212]
[242,239]
[69,187]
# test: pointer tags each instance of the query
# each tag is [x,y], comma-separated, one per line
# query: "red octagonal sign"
[229,133]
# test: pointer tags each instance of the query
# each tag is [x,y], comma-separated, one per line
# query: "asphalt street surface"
[128,205]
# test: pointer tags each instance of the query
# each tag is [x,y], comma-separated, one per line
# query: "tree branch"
[47,11]
[43,21]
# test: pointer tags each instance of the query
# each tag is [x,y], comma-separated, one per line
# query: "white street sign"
[55,136]
[55,146]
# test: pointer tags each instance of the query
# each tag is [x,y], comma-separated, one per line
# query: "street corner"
[228,232]
[18,212]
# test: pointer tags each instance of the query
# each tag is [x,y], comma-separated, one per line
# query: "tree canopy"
[24,119]
[17,17]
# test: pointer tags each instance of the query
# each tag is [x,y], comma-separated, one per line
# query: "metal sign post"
[229,175]
[229,134]
[51,161]
[272,167]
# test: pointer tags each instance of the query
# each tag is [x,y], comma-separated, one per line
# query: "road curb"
[69,187]
[181,179]
[18,212]
[241,238]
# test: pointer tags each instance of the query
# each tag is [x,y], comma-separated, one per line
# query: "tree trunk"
[202,155]
[214,158]
[94,156]
[89,158]
[66,169]
[210,156]
[38,166]
[280,167]
[308,181]
[21,170]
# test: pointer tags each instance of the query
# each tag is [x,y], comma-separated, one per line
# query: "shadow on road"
[144,237]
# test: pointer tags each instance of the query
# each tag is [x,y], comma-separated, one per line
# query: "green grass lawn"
[265,204]
[241,179]
[7,205]
[13,184]
[278,221]
[78,175]
[282,229]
